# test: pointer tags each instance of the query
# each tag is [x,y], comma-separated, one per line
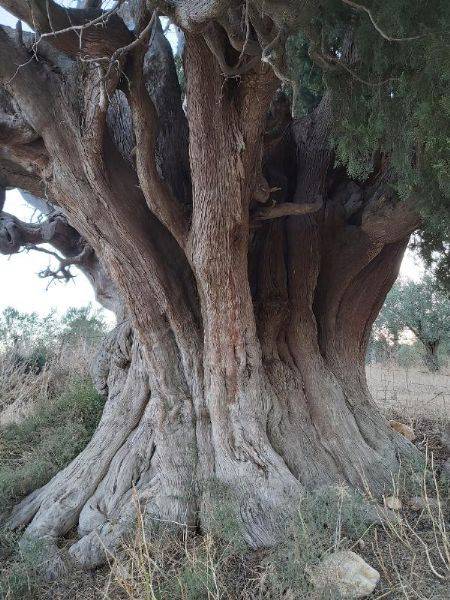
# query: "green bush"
[22,578]
[34,450]
[326,519]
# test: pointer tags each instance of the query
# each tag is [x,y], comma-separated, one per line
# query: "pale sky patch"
[20,285]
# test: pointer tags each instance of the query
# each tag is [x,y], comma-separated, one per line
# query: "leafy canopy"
[390,98]
[23,332]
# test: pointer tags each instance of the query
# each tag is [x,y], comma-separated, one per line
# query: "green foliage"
[307,74]
[23,578]
[222,519]
[408,355]
[34,450]
[434,248]
[32,339]
[420,307]
[63,417]
[325,520]
[389,98]
[83,323]
[26,330]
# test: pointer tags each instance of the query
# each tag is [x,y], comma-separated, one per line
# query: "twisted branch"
[384,35]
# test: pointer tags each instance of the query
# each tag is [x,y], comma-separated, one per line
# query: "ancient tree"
[245,251]
[423,309]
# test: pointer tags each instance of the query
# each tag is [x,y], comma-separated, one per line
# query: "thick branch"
[287,208]
[88,32]
[15,131]
[161,81]
[34,87]
[15,234]
[158,195]
[385,218]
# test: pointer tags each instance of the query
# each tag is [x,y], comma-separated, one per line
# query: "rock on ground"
[405,430]
[346,573]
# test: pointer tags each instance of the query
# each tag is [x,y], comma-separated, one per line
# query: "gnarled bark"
[242,365]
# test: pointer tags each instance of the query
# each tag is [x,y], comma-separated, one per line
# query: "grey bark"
[242,366]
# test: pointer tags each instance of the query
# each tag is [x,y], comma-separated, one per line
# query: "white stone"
[347,573]
[445,437]
[446,468]
[405,430]
[393,502]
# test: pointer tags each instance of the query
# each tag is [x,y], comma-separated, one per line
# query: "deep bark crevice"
[238,360]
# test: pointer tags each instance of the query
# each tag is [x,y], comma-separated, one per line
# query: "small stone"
[377,515]
[393,502]
[405,430]
[346,573]
[121,571]
[361,544]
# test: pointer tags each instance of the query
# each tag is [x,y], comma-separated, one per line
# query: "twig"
[384,35]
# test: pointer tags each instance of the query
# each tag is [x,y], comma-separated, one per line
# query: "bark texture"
[249,271]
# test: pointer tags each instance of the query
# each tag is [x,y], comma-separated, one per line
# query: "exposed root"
[54,509]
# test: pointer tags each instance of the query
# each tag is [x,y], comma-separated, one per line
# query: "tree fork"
[239,356]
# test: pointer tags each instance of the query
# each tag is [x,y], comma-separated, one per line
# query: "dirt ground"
[413,393]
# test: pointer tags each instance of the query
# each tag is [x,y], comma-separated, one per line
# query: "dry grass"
[412,555]
[158,562]
[23,390]
[414,393]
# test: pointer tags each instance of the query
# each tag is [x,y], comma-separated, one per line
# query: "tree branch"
[32,84]
[385,218]
[89,32]
[158,195]
[15,131]
[287,208]
[63,271]
[384,35]
[16,234]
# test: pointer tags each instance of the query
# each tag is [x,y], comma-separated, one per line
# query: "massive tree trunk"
[241,366]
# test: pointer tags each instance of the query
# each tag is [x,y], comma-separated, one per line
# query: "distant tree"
[31,339]
[85,323]
[24,329]
[424,309]
[27,337]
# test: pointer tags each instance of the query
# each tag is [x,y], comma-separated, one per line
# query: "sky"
[22,288]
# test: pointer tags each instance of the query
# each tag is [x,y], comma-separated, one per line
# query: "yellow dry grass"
[413,393]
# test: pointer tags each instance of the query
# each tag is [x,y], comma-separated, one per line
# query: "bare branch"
[384,35]
[63,271]
[16,234]
[287,209]
[158,195]
[89,32]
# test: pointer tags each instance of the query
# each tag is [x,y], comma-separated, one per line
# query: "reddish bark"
[244,361]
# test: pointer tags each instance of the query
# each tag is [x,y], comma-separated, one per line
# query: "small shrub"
[22,577]
[326,519]
[32,451]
